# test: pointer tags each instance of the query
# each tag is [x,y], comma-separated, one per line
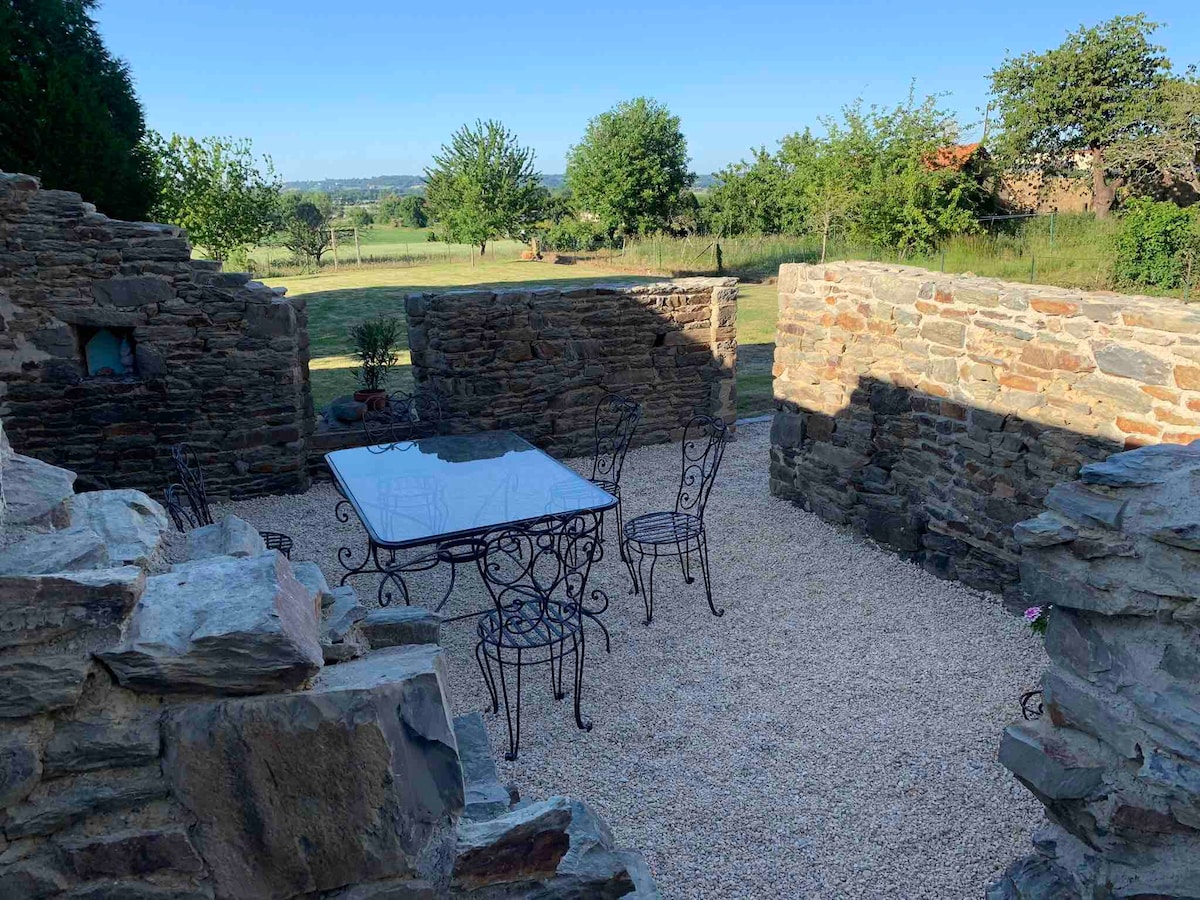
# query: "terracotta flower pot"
[374,400]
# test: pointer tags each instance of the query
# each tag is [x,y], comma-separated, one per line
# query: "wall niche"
[108,352]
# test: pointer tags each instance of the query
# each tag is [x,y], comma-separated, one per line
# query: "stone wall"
[212,357]
[1116,757]
[934,412]
[226,727]
[537,361]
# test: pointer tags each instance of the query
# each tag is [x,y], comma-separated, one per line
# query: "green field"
[337,300]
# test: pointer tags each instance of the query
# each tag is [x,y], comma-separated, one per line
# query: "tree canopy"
[305,218]
[483,186]
[214,188]
[631,168]
[1096,89]
[68,112]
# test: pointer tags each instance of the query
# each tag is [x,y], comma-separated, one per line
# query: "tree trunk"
[824,241]
[1103,193]
[482,248]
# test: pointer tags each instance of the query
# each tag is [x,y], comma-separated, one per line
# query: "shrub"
[572,234]
[1158,245]
[375,349]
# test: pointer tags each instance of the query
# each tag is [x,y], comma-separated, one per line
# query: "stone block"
[224,624]
[135,852]
[1088,507]
[32,685]
[1059,764]
[400,625]
[229,537]
[129,522]
[81,746]
[486,797]
[36,494]
[132,291]
[39,608]
[20,767]
[355,780]
[40,553]
[1129,362]
[60,803]
[310,575]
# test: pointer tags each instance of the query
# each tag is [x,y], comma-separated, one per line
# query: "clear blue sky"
[372,87]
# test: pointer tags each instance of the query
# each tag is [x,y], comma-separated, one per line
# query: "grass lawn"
[409,245]
[337,300]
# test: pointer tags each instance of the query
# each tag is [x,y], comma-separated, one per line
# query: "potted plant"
[375,349]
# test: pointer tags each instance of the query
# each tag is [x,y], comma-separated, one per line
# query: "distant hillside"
[356,190]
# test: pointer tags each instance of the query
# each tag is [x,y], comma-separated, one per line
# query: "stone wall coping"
[673,285]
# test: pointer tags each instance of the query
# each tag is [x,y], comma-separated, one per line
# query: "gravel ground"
[834,735]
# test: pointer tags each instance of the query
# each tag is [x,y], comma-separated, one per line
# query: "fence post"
[333,244]
[1032,268]
[1053,219]
[357,252]
[943,260]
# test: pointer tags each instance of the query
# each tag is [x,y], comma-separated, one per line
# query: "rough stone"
[36,493]
[73,549]
[126,853]
[310,575]
[32,685]
[290,822]
[40,608]
[129,522]
[398,625]
[229,537]
[1128,362]
[239,626]
[81,746]
[486,797]
[20,767]
[63,802]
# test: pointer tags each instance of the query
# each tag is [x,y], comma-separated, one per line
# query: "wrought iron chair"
[617,418]
[187,500]
[537,577]
[402,418]
[681,531]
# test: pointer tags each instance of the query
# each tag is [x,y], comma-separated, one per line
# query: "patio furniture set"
[530,526]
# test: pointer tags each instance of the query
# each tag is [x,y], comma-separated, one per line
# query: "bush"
[375,349]
[573,235]
[1158,245]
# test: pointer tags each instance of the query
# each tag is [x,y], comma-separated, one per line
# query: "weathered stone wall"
[935,411]
[1116,758]
[226,727]
[221,361]
[537,361]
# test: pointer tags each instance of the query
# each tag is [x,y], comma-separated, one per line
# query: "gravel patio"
[833,735]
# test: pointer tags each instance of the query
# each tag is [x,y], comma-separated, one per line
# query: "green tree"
[483,186]
[817,187]
[1096,89]
[388,209]
[412,211]
[359,216]
[305,219]
[746,198]
[631,167]
[1166,154]
[216,190]
[68,112]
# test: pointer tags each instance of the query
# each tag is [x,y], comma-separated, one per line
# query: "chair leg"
[607,640]
[707,575]
[514,734]
[485,668]
[647,587]
[628,558]
[620,526]
[556,678]
[685,561]
[580,646]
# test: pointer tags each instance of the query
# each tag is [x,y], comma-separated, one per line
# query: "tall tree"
[746,198]
[412,211]
[305,219]
[483,186]
[818,188]
[631,167]
[1098,88]
[1167,154]
[68,112]
[216,190]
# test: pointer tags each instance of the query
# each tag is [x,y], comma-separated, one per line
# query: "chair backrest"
[190,479]
[178,507]
[403,417]
[617,418]
[538,572]
[703,448]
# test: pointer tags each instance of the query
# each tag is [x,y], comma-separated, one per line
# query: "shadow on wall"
[940,482]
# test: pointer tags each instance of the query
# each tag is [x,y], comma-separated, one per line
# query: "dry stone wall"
[537,361]
[226,727]
[934,411]
[178,350]
[1116,757]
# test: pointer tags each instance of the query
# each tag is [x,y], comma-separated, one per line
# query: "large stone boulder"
[354,780]
[395,626]
[35,609]
[36,494]
[223,625]
[558,848]
[229,537]
[73,549]
[129,522]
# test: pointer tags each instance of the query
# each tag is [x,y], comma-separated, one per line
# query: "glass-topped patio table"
[437,496]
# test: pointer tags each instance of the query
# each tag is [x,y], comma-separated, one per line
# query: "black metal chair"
[187,500]
[537,576]
[681,531]
[402,418]
[617,419]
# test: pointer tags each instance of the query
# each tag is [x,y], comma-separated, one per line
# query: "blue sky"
[374,87]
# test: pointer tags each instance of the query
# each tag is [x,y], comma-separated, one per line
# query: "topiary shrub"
[1158,245]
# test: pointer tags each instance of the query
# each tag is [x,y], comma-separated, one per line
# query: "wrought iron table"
[437,496]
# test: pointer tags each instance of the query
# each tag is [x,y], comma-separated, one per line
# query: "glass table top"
[419,492]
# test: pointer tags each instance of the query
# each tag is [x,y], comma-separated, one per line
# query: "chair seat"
[527,626]
[663,528]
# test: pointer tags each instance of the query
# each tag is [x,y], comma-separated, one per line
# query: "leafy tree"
[306,224]
[412,211]
[483,186]
[68,112]
[214,189]
[747,196]
[631,167]
[818,195]
[388,209]
[359,216]
[1167,152]
[1096,89]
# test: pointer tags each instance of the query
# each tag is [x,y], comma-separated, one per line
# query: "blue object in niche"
[108,354]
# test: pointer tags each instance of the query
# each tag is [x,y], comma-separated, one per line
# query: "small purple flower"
[1033,614]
